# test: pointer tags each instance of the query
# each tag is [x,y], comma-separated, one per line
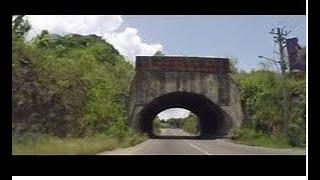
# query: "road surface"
[189,146]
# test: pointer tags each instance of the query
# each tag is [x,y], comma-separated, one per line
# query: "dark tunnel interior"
[211,117]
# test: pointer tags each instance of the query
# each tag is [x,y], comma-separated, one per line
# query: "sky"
[243,37]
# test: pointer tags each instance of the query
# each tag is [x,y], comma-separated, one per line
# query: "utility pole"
[279,37]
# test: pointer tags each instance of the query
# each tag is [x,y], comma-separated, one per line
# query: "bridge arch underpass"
[212,118]
[202,85]
[176,123]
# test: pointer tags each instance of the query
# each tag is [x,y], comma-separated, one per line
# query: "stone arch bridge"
[200,84]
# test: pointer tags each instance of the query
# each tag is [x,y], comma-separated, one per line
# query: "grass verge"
[50,145]
[253,138]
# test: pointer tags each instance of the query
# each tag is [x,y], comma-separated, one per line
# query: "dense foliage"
[69,85]
[175,123]
[156,126]
[191,124]
[261,92]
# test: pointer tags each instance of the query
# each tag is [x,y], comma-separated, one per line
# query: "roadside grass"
[50,145]
[253,138]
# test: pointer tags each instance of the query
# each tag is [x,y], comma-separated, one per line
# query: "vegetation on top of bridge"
[69,86]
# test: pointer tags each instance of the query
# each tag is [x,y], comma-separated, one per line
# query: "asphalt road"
[189,146]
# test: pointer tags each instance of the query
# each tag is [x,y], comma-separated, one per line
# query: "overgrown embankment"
[261,93]
[67,93]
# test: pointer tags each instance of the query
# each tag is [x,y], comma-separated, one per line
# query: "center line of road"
[203,151]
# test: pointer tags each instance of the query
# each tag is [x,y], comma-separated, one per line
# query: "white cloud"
[128,42]
[79,24]
[174,113]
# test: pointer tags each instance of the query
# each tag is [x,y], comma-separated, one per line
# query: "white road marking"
[196,147]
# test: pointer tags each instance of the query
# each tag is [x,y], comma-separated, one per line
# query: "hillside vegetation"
[69,86]
[262,98]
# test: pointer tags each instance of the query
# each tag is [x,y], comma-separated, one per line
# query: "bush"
[257,138]
[134,138]
[297,123]
[191,124]
[79,84]
[262,94]
[73,87]
[156,126]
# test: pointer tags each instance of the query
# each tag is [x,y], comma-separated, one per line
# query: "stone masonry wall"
[156,76]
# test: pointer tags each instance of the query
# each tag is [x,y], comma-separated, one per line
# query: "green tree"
[159,53]
[191,124]
[79,85]
[42,40]
[175,122]
[233,65]
[20,26]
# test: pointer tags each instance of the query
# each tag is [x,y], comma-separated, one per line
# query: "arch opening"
[176,122]
[212,118]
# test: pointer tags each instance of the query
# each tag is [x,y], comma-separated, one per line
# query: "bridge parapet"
[176,63]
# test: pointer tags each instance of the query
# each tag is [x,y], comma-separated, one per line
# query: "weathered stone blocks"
[205,78]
